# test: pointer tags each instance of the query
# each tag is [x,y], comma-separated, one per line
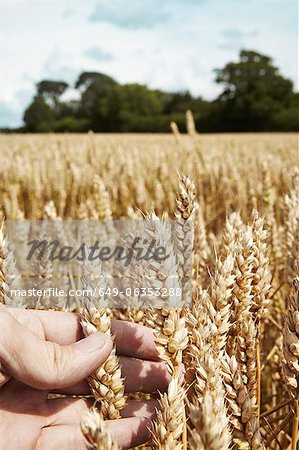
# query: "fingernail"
[92,343]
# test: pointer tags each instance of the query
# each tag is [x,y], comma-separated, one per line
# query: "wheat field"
[239,341]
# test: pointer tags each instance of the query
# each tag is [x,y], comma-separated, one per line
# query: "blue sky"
[166,44]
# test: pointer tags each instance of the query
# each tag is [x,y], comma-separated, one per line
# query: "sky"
[172,45]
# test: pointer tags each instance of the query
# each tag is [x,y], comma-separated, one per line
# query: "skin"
[43,352]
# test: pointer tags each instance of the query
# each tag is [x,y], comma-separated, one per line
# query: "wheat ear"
[190,124]
[171,336]
[218,305]
[184,233]
[106,383]
[103,205]
[96,433]
[242,296]
[234,229]
[201,331]
[9,277]
[202,251]
[245,426]
[291,341]
[261,286]
[261,283]
[207,411]
[291,353]
[169,425]
[175,131]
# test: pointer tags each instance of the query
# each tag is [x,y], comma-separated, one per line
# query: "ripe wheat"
[233,248]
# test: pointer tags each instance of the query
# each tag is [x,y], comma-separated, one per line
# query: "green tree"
[38,116]
[177,102]
[70,124]
[254,91]
[94,87]
[51,91]
[131,107]
[287,119]
[88,79]
[255,97]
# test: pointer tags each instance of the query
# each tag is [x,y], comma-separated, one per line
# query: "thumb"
[48,365]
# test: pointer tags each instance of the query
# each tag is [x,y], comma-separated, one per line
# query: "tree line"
[255,97]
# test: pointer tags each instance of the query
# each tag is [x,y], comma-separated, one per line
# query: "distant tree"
[177,102]
[70,124]
[68,108]
[87,79]
[128,107]
[287,119]
[38,115]
[51,91]
[254,91]
[94,87]
[255,97]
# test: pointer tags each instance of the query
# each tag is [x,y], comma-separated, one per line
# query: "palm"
[24,413]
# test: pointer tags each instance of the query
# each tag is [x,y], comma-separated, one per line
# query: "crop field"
[234,200]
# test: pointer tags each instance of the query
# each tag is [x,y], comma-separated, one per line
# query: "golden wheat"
[238,339]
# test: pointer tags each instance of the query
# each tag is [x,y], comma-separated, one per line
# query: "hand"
[44,352]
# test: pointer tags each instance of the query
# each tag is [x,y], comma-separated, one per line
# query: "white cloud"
[234,38]
[98,54]
[60,64]
[134,15]
[68,13]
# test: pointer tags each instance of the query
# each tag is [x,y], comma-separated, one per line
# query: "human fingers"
[128,433]
[139,375]
[61,327]
[136,341]
[47,365]
[69,411]
[64,328]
